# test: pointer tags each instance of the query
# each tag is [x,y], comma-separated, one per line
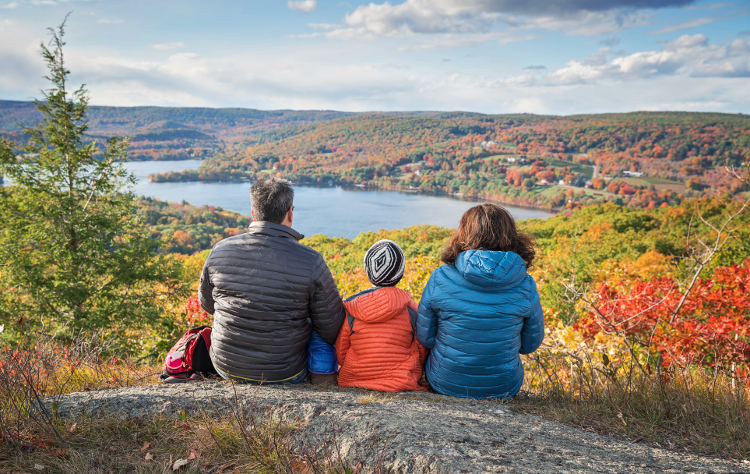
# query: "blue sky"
[492,56]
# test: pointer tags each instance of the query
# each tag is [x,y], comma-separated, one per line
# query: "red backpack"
[189,359]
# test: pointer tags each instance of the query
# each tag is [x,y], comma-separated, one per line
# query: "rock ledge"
[421,432]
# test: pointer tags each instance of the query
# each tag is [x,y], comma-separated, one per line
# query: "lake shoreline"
[325,207]
[354,187]
[552,210]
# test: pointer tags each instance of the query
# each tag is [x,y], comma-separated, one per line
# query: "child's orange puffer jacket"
[377,346]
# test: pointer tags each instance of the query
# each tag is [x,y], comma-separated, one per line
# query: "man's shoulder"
[235,239]
[249,240]
[311,251]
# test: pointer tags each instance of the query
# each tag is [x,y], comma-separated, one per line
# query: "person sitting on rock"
[481,309]
[267,292]
[377,345]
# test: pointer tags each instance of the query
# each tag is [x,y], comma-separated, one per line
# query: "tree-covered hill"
[168,133]
[642,159]
[129,120]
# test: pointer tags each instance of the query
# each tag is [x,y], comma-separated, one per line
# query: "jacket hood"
[488,268]
[274,230]
[377,304]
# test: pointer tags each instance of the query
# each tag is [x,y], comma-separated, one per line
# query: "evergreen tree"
[74,254]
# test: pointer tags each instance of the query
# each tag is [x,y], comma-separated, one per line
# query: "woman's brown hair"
[489,227]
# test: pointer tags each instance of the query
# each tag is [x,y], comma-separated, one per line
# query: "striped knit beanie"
[384,263]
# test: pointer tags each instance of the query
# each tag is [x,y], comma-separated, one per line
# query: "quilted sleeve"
[205,290]
[532,333]
[427,319]
[343,342]
[326,308]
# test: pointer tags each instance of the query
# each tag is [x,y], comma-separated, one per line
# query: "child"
[377,346]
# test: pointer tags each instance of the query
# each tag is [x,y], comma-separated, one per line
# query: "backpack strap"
[413,318]
[206,334]
[350,319]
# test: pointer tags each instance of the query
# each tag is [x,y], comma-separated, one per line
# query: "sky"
[491,56]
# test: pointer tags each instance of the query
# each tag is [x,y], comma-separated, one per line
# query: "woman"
[481,310]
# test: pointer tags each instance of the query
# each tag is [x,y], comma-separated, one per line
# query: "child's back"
[377,345]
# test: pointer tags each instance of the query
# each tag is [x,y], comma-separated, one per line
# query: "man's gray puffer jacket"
[262,287]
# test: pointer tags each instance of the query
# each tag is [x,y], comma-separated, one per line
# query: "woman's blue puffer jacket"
[477,315]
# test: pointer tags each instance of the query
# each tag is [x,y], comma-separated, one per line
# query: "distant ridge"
[227,123]
[128,120]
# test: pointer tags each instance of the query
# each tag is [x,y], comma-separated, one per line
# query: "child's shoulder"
[362,293]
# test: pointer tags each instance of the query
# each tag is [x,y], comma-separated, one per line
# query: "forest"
[185,229]
[166,133]
[638,160]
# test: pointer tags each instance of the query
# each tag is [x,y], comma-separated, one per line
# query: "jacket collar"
[274,230]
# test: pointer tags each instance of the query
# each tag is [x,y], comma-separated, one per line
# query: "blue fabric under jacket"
[321,356]
[477,315]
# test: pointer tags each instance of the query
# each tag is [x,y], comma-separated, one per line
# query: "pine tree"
[74,254]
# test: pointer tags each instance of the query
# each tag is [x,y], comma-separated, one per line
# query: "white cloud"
[682,26]
[585,23]
[323,26]
[109,22]
[457,24]
[167,46]
[302,5]
[687,55]
[10,5]
[573,17]
[421,16]
[463,41]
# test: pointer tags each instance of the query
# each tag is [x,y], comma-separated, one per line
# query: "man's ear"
[290,215]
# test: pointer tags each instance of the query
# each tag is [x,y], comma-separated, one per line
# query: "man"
[267,292]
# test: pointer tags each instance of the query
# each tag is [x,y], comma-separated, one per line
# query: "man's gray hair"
[271,199]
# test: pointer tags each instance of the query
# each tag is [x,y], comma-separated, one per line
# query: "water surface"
[333,211]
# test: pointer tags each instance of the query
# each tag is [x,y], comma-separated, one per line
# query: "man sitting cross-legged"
[267,293]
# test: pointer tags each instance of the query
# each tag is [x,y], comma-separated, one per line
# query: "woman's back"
[477,315]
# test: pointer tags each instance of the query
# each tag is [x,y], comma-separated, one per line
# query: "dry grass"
[248,443]
[34,439]
[692,410]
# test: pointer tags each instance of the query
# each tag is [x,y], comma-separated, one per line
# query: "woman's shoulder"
[444,271]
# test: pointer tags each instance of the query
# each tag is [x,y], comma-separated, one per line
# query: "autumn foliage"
[641,160]
[711,329]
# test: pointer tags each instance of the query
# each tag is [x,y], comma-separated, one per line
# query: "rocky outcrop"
[420,432]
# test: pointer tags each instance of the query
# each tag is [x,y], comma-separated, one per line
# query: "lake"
[333,211]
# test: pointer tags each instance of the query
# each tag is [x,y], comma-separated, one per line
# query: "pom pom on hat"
[384,263]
